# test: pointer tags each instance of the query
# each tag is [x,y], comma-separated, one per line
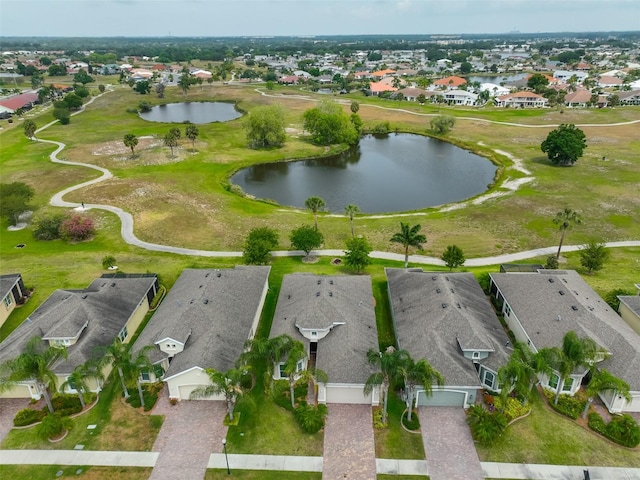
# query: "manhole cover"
[59,473]
[21,245]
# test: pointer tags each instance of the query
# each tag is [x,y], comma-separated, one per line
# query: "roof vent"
[330,282]
[191,301]
[453,291]
[444,305]
[459,305]
[205,301]
[200,286]
[433,278]
[218,275]
[551,280]
[446,278]
[113,284]
[319,281]
[559,318]
[84,296]
[574,308]
[317,294]
[289,297]
[207,274]
[561,292]
[331,294]
[438,290]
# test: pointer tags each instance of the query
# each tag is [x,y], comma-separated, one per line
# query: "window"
[476,355]
[489,378]
[507,310]
[553,381]
[71,385]
[314,334]
[568,383]
[60,342]
[145,375]
[123,334]
[8,301]
[281,368]
[300,366]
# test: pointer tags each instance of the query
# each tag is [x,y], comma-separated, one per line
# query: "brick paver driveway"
[191,431]
[8,409]
[349,448]
[449,448]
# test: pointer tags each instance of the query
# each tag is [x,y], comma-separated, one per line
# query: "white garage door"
[442,398]
[352,395]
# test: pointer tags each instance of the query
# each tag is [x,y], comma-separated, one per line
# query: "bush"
[381,128]
[53,425]
[65,405]
[310,419]
[47,227]
[28,416]
[624,429]
[552,263]
[377,419]
[77,228]
[414,424]
[568,406]
[150,393]
[280,394]
[597,423]
[513,409]
[485,426]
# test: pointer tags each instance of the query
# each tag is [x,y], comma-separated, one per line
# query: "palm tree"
[294,355]
[409,237]
[77,380]
[228,383]
[139,364]
[524,365]
[269,350]
[314,204]
[350,211]
[118,354]
[565,219]
[170,140]
[33,364]
[388,362]
[418,373]
[192,132]
[601,381]
[130,141]
[314,376]
[575,352]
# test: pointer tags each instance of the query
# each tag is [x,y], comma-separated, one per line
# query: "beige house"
[82,321]
[203,323]
[521,100]
[12,291]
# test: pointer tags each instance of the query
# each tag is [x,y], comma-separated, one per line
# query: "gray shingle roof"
[7,282]
[212,311]
[547,315]
[346,299]
[437,314]
[106,306]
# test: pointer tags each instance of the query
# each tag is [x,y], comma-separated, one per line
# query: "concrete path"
[349,449]
[401,467]
[78,457]
[281,463]
[448,446]
[191,431]
[556,472]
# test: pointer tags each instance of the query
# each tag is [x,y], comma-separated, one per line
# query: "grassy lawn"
[34,472]
[394,441]
[545,437]
[215,474]
[119,427]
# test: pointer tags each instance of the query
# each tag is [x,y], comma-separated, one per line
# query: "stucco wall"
[181,385]
[630,317]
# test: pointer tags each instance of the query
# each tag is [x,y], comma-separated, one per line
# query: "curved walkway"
[129,237]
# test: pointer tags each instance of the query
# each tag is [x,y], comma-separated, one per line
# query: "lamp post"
[224,446]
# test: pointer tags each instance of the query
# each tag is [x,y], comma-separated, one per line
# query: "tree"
[565,219]
[170,141]
[53,425]
[62,115]
[30,129]
[185,82]
[415,374]
[388,363]
[228,383]
[35,364]
[564,145]
[143,87]
[357,253]
[47,227]
[192,132]
[101,88]
[351,211]
[613,100]
[485,426]
[130,141]
[593,255]
[108,261]
[314,204]
[14,200]
[409,237]
[160,90]
[77,379]
[175,131]
[442,124]
[82,77]
[421,99]
[128,364]
[77,228]
[465,68]
[306,238]
[265,127]
[73,101]
[295,354]
[269,350]
[328,124]
[538,82]
[453,257]
[575,352]
[602,381]
[258,245]
[355,107]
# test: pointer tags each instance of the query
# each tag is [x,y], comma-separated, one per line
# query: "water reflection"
[194,112]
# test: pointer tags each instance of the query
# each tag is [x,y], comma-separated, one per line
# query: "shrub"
[149,393]
[144,106]
[377,419]
[381,128]
[310,419]
[597,423]
[485,426]
[77,228]
[624,429]
[65,405]
[569,406]
[28,416]
[552,263]
[280,394]
[513,408]
[53,425]
[47,227]
[414,424]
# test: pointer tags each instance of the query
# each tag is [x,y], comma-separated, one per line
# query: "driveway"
[349,448]
[449,448]
[8,409]
[191,431]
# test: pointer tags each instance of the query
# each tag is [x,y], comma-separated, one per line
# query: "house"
[460,97]
[450,83]
[579,98]
[13,293]
[566,75]
[203,323]
[521,99]
[411,94]
[24,100]
[334,317]
[446,319]
[493,89]
[629,310]
[606,81]
[83,321]
[376,88]
[631,97]
[540,308]
[379,74]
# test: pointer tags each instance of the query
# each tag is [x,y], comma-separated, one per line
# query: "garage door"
[352,395]
[442,398]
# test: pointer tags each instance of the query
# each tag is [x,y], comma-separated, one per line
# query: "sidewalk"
[78,457]
[560,472]
[266,462]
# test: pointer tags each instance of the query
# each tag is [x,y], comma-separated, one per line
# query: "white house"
[521,100]
[460,97]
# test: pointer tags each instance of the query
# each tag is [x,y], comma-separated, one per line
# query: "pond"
[393,173]
[497,79]
[194,112]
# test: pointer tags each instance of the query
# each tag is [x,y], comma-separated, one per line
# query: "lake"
[194,112]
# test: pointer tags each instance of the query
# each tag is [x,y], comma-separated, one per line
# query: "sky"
[223,18]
